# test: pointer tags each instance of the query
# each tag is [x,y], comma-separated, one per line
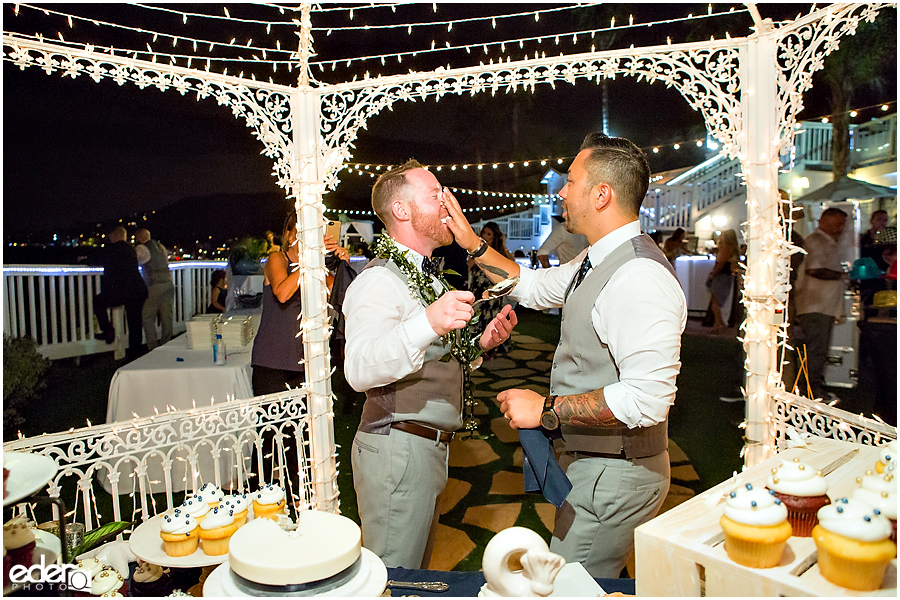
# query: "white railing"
[872,142]
[247,442]
[54,304]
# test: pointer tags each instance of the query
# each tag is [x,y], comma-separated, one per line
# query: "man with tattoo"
[613,375]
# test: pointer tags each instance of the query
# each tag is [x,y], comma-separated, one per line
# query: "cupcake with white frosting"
[194,506]
[888,455]
[19,542]
[211,494]
[802,490]
[755,526]
[853,543]
[180,534]
[216,530]
[880,491]
[269,501]
[107,582]
[240,506]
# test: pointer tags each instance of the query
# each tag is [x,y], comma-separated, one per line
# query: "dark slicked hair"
[620,164]
[830,213]
[388,186]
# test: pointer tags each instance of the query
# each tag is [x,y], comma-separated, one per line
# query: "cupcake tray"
[682,553]
[148,546]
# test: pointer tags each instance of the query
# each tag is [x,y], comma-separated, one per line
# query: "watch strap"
[482,248]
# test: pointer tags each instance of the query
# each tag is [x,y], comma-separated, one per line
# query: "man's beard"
[430,226]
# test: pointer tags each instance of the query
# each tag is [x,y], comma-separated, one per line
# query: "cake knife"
[428,586]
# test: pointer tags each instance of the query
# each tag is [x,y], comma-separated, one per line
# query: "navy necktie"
[579,277]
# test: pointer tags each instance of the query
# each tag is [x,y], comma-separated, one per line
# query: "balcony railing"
[54,305]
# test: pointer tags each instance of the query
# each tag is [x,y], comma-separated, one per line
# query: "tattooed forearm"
[495,271]
[586,410]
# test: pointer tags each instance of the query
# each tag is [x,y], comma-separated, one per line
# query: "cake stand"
[369,581]
[146,544]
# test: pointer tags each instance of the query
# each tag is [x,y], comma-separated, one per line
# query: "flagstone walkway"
[485,492]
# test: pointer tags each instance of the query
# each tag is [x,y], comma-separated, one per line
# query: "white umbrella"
[846,188]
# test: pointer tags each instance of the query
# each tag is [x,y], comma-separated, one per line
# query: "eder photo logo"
[42,577]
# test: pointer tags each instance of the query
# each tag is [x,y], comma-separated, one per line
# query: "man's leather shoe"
[109,336]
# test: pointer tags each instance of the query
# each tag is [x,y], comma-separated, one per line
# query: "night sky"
[76,151]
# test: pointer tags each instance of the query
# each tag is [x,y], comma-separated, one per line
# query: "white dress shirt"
[640,314]
[825,296]
[565,245]
[387,329]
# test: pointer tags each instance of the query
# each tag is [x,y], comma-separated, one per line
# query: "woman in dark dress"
[218,293]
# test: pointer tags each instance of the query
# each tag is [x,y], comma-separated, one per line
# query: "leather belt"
[429,433]
[579,453]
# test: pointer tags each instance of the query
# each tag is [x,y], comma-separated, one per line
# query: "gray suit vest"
[583,362]
[156,270]
[431,396]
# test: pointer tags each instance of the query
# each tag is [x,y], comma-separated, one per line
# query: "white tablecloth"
[692,272]
[158,379]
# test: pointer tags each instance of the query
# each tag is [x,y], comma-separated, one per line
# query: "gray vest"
[156,270]
[431,396]
[583,362]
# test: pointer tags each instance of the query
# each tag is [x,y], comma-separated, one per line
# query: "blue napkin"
[542,472]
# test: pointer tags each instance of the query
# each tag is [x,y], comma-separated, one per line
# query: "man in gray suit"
[613,375]
[398,314]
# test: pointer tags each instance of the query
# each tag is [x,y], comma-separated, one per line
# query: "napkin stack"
[201,331]
[236,331]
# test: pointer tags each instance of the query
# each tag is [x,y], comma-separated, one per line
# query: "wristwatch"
[482,248]
[549,418]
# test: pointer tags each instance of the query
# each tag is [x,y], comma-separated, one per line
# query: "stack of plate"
[201,331]
[236,331]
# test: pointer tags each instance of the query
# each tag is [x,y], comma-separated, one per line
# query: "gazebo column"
[759,161]
[307,173]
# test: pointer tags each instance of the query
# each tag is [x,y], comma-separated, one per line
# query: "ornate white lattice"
[262,439]
[821,420]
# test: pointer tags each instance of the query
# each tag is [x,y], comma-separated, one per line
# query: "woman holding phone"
[277,350]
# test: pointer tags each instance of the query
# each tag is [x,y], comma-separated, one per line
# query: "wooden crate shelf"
[681,552]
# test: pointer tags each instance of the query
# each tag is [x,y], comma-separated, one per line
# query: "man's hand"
[499,329]
[465,236]
[522,408]
[451,311]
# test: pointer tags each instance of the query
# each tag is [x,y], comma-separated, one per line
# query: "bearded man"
[397,313]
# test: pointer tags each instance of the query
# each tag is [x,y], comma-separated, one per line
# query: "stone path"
[485,492]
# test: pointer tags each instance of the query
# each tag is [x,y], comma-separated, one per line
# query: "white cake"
[322,545]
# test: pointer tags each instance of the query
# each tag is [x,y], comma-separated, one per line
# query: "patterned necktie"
[580,275]
[431,266]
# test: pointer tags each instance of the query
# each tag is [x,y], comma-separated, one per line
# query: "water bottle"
[220,356]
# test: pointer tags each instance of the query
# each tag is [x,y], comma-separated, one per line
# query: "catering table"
[174,375]
[465,584]
[692,272]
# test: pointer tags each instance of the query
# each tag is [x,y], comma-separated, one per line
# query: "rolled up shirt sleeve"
[646,314]
[387,331]
[545,288]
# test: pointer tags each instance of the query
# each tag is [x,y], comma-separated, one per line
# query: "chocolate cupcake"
[802,490]
[19,541]
[151,580]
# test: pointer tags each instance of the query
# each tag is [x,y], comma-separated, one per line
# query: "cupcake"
[107,582]
[880,491]
[216,530]
[194,506]
[211,494]
[888,455]
[755,526]
[269,501]
[802,490]
[150,580]
[19,541]
[240,506]
[853,543]
[180,534]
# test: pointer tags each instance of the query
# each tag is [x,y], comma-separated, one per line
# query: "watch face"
[549,420]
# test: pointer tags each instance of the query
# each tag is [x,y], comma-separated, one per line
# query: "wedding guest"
[160,303]
[478,283]
[398,314]
[874,240]
[721,280]
[613,375]
[820,294]
[564,244]
[121,285]
[219,292]
[675,246]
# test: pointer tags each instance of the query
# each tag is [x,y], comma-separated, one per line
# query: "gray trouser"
[398,479]
[160,302]
[610,497]
[816,334]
